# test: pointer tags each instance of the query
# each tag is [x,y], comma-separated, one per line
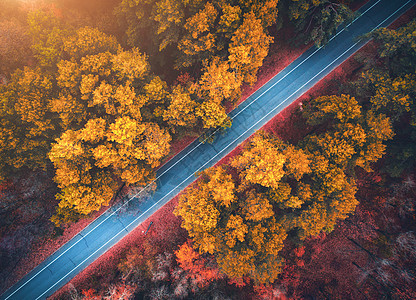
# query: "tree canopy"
[243,212]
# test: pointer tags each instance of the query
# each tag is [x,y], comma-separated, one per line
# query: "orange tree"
[103,91]
[227,41]
[238,227]
[317,20]
[352,139]
[390,88]
[283,190]
[233,218]
[28,126]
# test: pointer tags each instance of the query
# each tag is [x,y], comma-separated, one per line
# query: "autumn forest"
[96,95]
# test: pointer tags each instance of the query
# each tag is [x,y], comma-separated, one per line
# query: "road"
[180,171]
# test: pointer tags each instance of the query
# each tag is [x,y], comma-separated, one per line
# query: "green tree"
[249,46]
[319,18]
[28,127]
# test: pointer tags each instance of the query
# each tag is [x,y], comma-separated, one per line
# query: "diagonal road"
[179,172]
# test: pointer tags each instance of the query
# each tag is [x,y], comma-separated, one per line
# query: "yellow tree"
[28,127]
[212,114]
[181,110]
[266,11]
[169,15]
[87,41]
[48,34]
[199,41]
[391,96]
[249,46]
[229,21]
[379,129]
[262,161]
[107,139]
[351,138]
[238,228]
[343,108]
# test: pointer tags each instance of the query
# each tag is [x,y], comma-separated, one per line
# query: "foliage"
[311,186]
[354,139]
[219,82]
[398,46]
[244,242]
[196,31]
[27,127]
[15,43]
[198,40]
[319,19]
[229,41]
[181,110]
[195,266]
[391,90]
[106,137]
[249,46]
[390,95]
[48,34]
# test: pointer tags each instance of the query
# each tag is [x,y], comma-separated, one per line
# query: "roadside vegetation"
[91,107]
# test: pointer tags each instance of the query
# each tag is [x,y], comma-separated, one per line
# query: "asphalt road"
[179,172]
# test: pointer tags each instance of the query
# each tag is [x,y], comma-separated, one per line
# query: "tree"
[198,42]
[107,139]
[195,266]
[343,108]
[139,27]
[391,96]
[264,161]
[212,114]
[379,129]
[390,88]
[266,11]
[15,45]
[398,47]
[28,127]
[181,110]
[239,229]
[169,15]
[351,139]
[229,21]
[48,34]
[89,41]
[319,18]
[120,291]
[249,46]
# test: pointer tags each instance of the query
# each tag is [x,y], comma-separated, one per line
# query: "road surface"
[180,171]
